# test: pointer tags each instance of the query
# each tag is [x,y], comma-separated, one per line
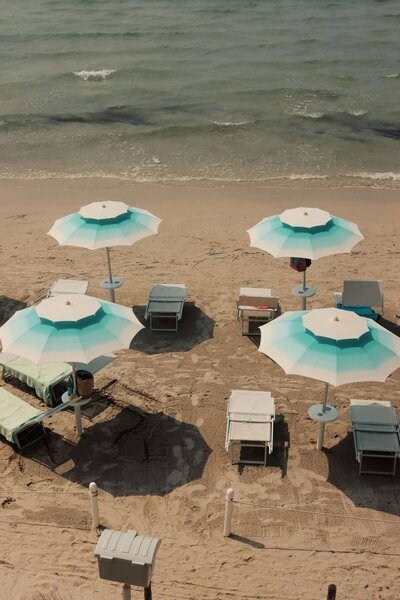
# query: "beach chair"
[20,423]
[67,286]
[255,307]
[250,425]
[165,306]
[376,436]
[45,377]
[360,297]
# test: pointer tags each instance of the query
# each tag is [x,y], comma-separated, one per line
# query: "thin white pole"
[94,504]
[126,592]
[228,511]
[112,291]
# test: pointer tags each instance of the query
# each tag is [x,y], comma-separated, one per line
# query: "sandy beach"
[155,429]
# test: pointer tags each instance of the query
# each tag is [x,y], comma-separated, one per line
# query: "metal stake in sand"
[228,512]
[94,504]
[331,592]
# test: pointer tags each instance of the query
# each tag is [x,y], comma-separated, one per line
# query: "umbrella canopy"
[331,345]
[71,328]
[304,232]
[104,224]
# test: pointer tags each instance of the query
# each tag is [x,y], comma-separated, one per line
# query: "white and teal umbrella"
[103,225]
[305,233]
[331,345]
[69,328]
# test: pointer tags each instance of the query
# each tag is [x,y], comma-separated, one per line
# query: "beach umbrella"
[103,225]
[309,233]
[69,328]
[331,345]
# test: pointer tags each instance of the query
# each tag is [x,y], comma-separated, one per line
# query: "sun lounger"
[20,423]
[255,307]
[165,304]
[376,436]
[67,286]
[250,424]
[360,297]
[43,378]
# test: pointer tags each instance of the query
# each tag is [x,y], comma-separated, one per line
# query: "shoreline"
[379,181]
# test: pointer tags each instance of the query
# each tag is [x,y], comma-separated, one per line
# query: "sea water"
[181,90]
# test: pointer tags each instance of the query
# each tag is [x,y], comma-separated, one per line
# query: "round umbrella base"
[317,413]
[112,285]
[303,292]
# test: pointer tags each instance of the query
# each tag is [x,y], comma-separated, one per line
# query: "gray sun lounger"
[361,297]
[166,302]
[376,436]
[20,423]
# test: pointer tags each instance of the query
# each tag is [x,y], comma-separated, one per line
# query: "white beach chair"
[67,286]
[165,303]
[376,436]
[360,297]
[250,424]
[256,306]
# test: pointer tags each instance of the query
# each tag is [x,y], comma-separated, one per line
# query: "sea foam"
[94,75]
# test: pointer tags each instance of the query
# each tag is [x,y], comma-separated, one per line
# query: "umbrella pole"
[112,291]
[77,408]
[325,397]
[303,298]
[321,427]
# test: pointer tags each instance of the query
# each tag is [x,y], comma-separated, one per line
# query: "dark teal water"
[200,89]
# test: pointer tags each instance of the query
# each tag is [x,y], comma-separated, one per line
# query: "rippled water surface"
[200,89]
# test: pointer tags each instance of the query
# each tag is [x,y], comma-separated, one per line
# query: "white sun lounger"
[67,286]
[256,306]
[250,423]
[376,436]
[166,301]
[361,297]
[20,423]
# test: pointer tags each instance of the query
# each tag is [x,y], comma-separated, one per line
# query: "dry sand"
[154,433]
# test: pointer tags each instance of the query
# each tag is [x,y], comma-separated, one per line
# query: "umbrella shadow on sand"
[8,306]
[134,453]
[390,326]
[379,492]
[194,328]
